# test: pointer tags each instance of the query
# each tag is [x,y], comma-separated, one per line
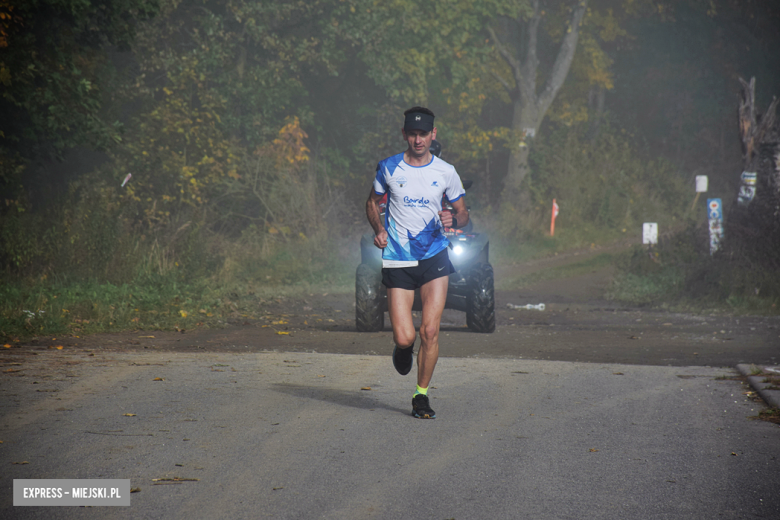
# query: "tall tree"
[517,41]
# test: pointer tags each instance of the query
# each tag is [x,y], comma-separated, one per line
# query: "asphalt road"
[311,435]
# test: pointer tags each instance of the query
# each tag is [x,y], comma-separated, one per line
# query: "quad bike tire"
[369,300]
[481,299]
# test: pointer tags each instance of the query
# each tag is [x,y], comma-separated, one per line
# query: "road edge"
[770,397]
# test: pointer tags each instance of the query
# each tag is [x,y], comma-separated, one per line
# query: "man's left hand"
[446,218]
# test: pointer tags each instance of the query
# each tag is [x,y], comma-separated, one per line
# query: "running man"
[414,248]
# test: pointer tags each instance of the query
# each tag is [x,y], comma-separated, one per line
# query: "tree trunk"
[524,119]
[530,106]
[752,230]
[752,127]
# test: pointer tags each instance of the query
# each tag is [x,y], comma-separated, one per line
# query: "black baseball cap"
[418,121]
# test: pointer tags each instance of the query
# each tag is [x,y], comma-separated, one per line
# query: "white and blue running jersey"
[414,193]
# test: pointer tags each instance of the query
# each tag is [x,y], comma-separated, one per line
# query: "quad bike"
[470,288]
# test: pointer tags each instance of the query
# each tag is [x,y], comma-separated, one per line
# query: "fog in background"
[252,129]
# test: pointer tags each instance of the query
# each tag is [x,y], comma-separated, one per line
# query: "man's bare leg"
[433,295]
[399,306]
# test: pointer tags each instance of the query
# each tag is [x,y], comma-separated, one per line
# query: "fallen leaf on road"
[7,345]
[278,488]
[128,414]
[281,332]
[135,490]
[158,379]
[175,479]
[593,450]
[633,337]
[734,454]
[320,376]
[618,374]
[365,388]
[147,337]
[20,463]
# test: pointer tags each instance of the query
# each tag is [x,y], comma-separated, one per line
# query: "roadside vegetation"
[174,164]
[680,274]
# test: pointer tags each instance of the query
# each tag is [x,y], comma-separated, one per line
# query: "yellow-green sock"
[423,391]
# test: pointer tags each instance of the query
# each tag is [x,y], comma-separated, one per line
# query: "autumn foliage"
[252,129]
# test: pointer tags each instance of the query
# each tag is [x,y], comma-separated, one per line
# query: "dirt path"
[578,324]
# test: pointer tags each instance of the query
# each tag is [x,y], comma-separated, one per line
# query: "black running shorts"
[412,278]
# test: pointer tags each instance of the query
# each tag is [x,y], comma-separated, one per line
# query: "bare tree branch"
[563,60]
[504,82]
[751,130]
[531,63]
[511,60]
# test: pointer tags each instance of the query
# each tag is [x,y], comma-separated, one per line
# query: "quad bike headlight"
[457,250]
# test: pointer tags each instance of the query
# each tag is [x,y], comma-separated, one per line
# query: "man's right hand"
[380,240]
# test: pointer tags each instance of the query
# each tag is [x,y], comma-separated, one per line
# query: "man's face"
[419,141]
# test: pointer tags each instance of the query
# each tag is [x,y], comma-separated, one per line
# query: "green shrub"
[604,184]
[681,272]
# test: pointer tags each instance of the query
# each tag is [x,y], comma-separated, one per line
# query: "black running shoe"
[403,358]
[421,408]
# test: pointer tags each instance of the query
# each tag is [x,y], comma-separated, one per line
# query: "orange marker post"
[552,221]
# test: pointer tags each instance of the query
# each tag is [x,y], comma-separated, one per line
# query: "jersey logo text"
[421,200]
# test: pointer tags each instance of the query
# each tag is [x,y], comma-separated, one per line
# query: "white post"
[650,233]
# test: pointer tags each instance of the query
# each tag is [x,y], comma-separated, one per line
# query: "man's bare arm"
[459,211]
[372,212]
